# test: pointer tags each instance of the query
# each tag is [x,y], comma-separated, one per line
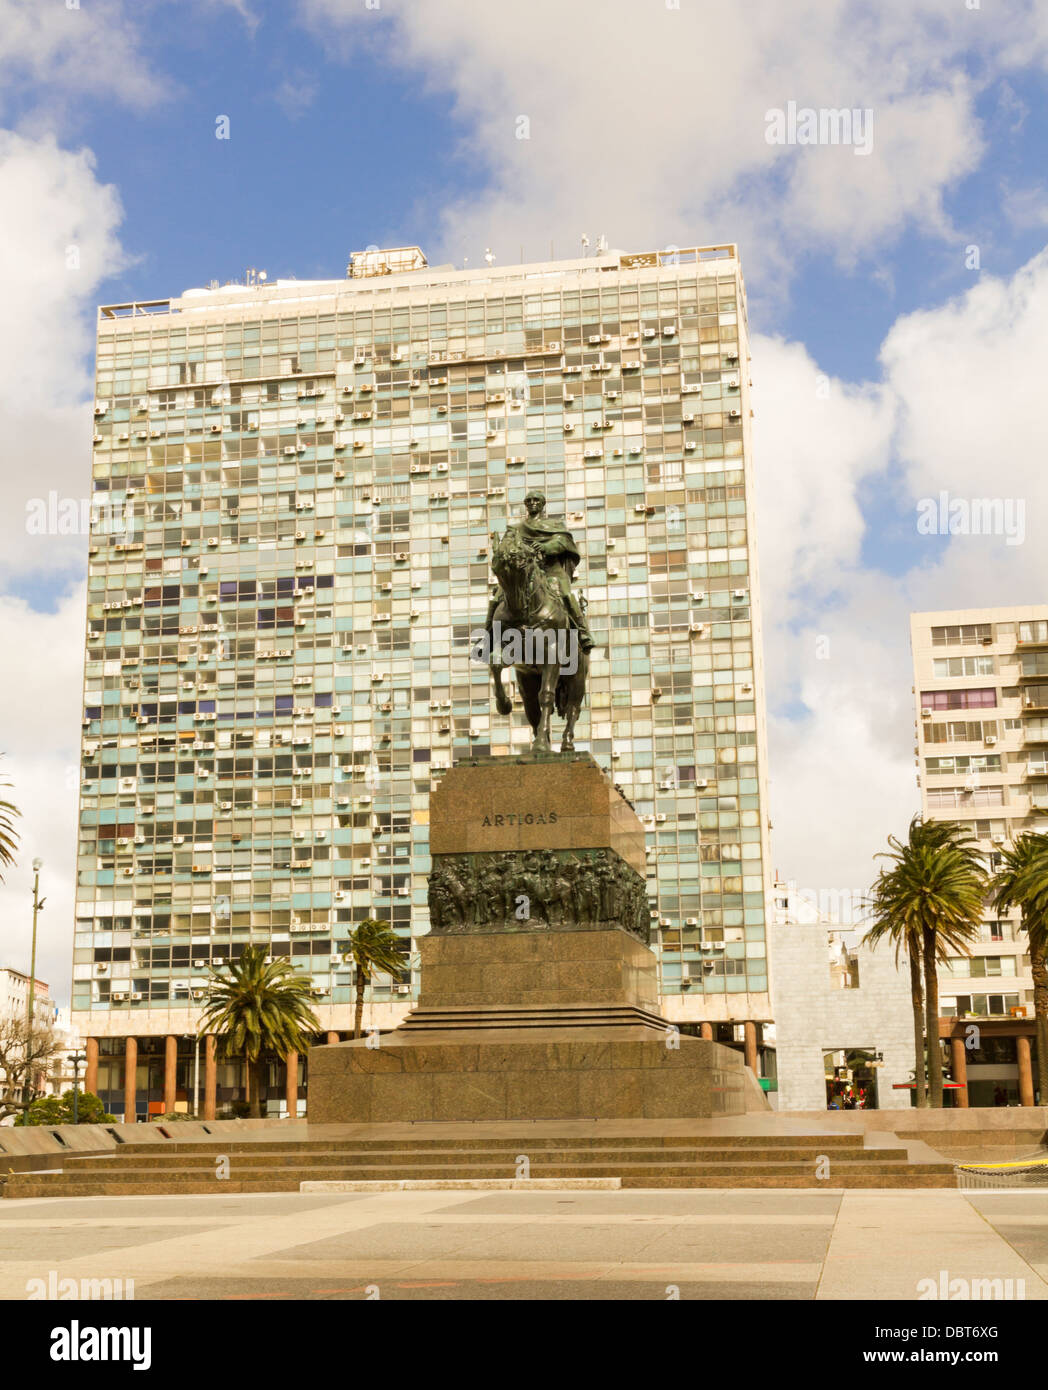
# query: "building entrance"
[851,1079]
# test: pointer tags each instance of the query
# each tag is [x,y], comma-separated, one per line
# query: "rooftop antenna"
[585,243]
[489,255]
[602,244]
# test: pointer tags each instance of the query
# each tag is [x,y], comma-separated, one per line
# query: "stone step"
[559,1016]
[817,1143]
[150,1176]
[842,1176]
[95,1163]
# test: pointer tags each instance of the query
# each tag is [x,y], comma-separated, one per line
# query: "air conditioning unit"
[734,414]
[926,713]
[990,740]
[702,783]
[691,921]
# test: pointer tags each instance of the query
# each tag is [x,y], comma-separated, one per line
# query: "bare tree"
[25,1063]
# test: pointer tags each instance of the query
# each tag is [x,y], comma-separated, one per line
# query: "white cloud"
[52,258]
[959,409]
[648,123]
[40,709]
[295,97]
[52,52]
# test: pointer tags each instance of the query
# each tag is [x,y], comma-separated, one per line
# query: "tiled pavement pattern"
[631,1244]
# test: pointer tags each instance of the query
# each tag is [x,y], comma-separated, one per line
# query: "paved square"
[632,1244]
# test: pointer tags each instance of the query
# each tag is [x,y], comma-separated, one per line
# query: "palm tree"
[8,835]
[930,899]
[374,948]
[259,1007]
[885,924]
[1022,882]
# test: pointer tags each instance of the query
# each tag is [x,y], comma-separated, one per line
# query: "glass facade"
[296,488]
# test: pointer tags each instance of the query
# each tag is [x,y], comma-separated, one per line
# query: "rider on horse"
[556,549]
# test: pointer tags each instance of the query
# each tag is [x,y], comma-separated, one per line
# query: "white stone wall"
[811,1017]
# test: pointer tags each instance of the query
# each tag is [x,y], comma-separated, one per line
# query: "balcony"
[1035,696]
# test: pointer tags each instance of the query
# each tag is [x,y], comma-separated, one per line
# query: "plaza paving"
[629,1244]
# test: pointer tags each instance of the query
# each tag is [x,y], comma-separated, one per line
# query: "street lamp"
[38,904]
[76,1059]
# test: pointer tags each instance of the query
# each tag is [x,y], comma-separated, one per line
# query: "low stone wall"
[30,1148]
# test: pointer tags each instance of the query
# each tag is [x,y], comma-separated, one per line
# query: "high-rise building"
[981,696]
[296,486]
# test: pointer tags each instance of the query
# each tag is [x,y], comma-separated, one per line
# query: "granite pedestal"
[539,994]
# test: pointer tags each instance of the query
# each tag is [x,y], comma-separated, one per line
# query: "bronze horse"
[551,666]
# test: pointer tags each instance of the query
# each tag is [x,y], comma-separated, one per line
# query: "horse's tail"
[560,696]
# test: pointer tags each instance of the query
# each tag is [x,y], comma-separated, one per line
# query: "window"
[961,635]
[959,699]
[963,666]
[961,731]
[984,1005]
[963,797]
[983,762]
[1033,632]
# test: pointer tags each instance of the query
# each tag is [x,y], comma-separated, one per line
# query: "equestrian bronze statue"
[537,624]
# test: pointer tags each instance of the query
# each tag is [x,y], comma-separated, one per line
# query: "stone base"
[552,1018]
[618,1071]
[537,970]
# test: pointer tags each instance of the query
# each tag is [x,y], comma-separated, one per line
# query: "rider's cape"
[546,529]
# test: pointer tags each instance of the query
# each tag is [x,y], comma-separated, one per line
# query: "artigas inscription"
[522,818]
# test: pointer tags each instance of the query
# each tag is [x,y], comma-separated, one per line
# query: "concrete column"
[291,1091]
[706,1031]
[170,1064]
[749,1047]
[959,1060]
[332,1038]
[1022,1052]
[210,1077]
[91,1074]
[130,1089]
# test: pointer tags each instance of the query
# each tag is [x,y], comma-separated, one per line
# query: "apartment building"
[981,698]
[296,488]
[14,993]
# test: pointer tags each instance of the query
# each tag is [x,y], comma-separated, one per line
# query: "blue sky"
[396,124]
